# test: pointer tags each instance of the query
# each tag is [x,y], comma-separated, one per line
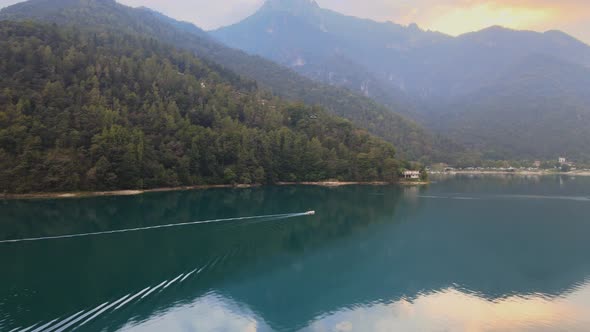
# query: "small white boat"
[310,213]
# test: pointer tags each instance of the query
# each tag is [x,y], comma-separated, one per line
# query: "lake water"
[464,254]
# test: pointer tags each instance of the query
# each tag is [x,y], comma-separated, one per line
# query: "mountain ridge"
[423,74]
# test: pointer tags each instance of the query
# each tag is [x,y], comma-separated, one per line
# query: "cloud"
[460,16]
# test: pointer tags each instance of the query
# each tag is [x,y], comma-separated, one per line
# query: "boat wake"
[138,229]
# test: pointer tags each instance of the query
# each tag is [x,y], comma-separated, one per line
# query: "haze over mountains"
[459,86]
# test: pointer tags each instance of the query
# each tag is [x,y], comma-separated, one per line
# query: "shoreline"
[136,192]
[543,173]
[130,192]
[333,183]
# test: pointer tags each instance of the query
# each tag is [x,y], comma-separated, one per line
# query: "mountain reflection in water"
[372,259]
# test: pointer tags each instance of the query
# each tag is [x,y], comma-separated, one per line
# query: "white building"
[413,175]
[562,160]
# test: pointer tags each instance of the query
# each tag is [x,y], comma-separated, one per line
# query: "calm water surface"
[465,254]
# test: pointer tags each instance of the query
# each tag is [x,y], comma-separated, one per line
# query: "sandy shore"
[333,183]
[139,192]
[114,192]
[320,183]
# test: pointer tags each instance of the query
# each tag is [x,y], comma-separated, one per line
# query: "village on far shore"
[559,166]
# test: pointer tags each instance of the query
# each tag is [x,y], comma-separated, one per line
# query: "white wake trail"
[281,216]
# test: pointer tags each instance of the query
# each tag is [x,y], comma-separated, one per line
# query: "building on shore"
[411,175]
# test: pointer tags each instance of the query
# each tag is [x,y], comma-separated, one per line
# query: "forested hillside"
[539,109]
[411,140]
[94,110]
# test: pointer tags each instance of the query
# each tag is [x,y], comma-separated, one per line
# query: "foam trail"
[132,298]
[201,269]
[65,321]
[214,262]
[153,289]
[103,310]
[28,328]
[188,275]
[224,257]
[173,281]
[63,328]
[291,215]
[197,272]
[40,328]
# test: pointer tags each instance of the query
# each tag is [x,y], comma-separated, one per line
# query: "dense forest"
[105,110]
[412,141]
[539,110]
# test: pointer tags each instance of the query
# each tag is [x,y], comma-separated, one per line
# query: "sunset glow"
[460,20]
[456,17]
[453,17]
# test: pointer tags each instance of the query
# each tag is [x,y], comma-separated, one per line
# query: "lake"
[487,253]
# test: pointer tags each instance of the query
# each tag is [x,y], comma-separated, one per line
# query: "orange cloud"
[459,20]
[460,16]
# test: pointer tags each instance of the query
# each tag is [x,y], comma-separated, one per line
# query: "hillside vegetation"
[100,110]
[411,140]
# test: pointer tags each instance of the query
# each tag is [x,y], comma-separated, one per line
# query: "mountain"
[475,60]
[103,110]
[411,140]
[386,57]
[425,75]
[329,47]
[539,108]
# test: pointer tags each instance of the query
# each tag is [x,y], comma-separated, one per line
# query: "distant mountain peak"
[293,6]
[495,29]
[414,27]
[563,37]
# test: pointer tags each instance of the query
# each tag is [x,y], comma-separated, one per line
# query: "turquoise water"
[464,254]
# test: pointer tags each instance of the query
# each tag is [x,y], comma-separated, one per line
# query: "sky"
[449,16]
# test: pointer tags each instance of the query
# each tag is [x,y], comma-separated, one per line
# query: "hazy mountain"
[538,108]
[321,44]
[430,76]
[411,140]
[386,57]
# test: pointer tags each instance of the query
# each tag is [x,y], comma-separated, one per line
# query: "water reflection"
[211,312]
[458,310]
[373,258]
